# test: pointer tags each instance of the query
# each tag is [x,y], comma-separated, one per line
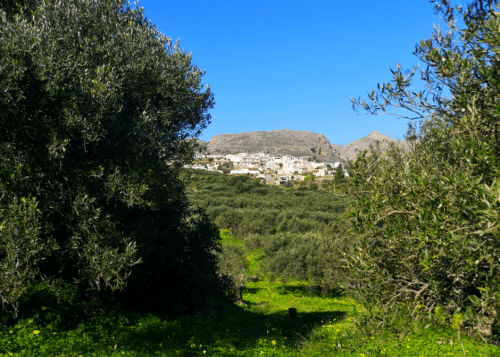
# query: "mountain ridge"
[294,142]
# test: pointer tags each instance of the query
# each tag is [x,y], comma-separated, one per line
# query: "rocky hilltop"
[277,142]
[349,151]
[293,142]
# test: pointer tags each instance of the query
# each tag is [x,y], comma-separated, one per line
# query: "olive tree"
[339,174]
[97,112]
[427,219]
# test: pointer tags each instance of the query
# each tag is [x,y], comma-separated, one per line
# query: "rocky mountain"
[292,142]
[277,142]
[349,151]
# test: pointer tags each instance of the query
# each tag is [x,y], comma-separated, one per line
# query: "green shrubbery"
[427,220]
[306,256]
[95,109]
[298,229]
[247,206]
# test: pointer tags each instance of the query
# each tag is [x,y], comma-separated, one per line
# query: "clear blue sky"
[296,64]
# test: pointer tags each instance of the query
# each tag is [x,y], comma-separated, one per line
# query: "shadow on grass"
[234,330]
[233,327]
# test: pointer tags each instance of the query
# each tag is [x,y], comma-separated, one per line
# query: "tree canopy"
[97,108]
[427,219]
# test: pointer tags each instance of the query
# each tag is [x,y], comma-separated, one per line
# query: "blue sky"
[296,64]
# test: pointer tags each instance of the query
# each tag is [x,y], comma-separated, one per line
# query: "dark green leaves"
[97,107]
[439,224]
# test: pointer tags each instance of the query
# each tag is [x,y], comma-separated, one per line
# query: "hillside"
[278,142]
[349,151]
[293,142]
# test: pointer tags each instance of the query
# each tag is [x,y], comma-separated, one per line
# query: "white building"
[249,161]
[195,167]
[320,172]
[316,165]
[249,170]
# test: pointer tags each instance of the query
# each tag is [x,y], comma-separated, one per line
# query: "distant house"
[249,170]
[235,159]
[317,165]
[195,167]
[250,161]
[266,178]
[287,178]
[320,172]
[254,170]
[282,180]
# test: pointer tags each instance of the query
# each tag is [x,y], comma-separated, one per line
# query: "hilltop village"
[277,170]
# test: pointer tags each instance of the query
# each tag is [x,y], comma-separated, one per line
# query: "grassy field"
[260,328]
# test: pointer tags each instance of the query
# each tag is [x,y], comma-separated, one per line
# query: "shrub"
[427,220]
[233,262]
[305,257]
[313,186]
[229,219]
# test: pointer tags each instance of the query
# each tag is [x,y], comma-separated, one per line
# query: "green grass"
[259,328]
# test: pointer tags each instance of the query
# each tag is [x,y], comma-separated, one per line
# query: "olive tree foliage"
[339,174]
[96,111]
[427,219]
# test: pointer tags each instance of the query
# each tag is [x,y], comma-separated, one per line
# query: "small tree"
[309,177]
[339,174]
[427,220]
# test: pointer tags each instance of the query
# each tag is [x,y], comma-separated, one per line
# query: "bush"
[305,257]
[313,187]
[339,175]
[229,219]
[214,212]
[427,220]
[21,249]
[233,262]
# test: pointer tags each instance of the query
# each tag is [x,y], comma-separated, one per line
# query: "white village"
[278,170]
